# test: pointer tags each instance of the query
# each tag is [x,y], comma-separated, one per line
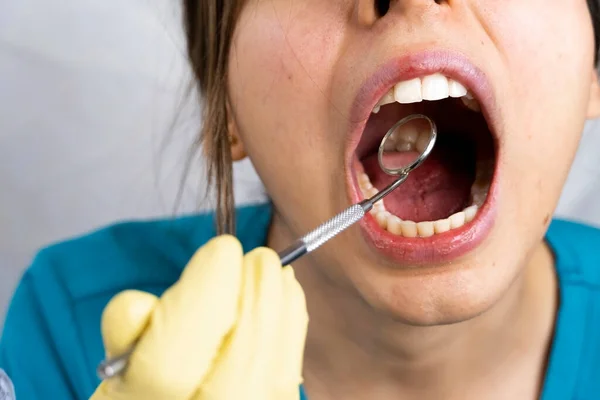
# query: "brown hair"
[209,26]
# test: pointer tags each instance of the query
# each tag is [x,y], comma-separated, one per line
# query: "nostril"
[382,7]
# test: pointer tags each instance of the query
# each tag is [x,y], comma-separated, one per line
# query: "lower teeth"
[411,229]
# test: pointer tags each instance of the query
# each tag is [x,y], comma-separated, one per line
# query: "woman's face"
[304,78]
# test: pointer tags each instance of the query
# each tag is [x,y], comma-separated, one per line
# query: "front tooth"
[387,98]
[409,229]
[435,87]
[441,226]
[470,213]
[457,220]
[394,225]
[425,228]
[408,91]
[456,89]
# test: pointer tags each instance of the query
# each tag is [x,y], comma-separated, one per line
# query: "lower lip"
[437,249]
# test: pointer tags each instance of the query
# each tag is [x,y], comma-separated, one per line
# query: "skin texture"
[290,100]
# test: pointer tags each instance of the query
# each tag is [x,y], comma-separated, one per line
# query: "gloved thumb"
[124,320]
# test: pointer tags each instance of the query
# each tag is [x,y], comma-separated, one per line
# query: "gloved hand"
[232,327]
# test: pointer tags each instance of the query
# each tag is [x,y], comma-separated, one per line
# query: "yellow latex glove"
[232,327]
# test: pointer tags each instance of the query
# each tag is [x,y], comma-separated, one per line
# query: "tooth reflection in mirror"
[407,144]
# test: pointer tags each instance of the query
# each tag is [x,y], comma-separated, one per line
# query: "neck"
[354,351]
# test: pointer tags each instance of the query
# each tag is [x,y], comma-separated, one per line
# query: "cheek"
[547,42]
[280,70]
[547,50]
[281,64]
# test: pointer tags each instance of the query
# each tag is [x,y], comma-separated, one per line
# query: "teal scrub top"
[51,342]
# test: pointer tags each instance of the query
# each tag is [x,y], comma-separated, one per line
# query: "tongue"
[438,188]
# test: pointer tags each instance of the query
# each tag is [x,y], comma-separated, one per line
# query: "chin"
[440,295]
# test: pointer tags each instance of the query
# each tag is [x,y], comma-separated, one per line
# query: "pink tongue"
[440,187]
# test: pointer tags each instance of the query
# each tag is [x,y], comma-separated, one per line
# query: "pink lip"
[440,248]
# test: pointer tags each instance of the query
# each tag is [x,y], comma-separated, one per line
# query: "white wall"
[580,195]
[95,126]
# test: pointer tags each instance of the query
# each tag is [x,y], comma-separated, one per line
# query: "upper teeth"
[432,87]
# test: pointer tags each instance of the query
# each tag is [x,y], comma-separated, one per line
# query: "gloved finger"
[190,321]
[124,319]
[247,357]
[292,336]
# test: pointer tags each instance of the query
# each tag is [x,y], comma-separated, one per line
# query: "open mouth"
[443,209]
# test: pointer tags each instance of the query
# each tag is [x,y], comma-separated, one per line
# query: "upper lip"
[412,65]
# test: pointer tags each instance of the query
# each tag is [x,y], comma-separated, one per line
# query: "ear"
[594,102]
[238,152]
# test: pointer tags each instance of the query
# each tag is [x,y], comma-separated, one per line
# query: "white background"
[96,126]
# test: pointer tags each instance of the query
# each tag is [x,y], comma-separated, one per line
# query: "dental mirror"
[407,144]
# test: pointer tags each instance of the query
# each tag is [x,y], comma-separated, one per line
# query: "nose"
[368,12]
